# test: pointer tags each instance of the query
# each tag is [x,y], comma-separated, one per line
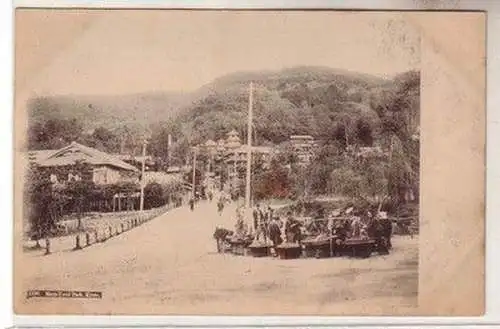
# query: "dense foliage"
[342,110]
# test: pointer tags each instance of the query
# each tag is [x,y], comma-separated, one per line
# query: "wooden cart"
[361,248]
[260,249]
[239,245]
[323,248]
[289,250]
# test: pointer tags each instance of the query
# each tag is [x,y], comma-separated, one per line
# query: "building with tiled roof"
[77,162]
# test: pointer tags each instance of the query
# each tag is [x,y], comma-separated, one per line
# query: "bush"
[41,205]
[154,196]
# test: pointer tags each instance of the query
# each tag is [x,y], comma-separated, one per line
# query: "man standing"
[292,229]
[257,214]
[356,226]
[275,232]
[220,206]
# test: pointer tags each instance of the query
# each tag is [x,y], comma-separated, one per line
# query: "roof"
[210,143]
[375,151]
[162,178]
[301,137]
[128,157]
[255,149]
[173,169]
[74,152]
[40,155]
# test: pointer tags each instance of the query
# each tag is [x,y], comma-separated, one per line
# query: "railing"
[98,235]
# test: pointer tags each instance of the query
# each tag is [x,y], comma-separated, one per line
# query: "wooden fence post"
[87,238]
[77,242]
[96,237]
[110,231]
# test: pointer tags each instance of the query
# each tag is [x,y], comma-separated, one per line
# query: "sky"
[129,51]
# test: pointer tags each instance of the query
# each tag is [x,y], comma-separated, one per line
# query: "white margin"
[6,182]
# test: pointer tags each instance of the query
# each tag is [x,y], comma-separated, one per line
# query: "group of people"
[206,195]
[363,225]
[270,227]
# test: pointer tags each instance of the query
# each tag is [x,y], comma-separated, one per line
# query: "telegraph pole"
[194,171]
[143,169]
[249,149]
[169,150]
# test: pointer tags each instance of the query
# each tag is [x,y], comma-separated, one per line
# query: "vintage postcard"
[238,162]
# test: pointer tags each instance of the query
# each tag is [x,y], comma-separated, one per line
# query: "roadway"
[169,265]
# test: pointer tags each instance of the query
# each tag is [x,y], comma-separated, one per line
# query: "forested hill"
[109,111]
[322,102]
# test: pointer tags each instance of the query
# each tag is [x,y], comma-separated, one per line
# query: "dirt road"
[169,266]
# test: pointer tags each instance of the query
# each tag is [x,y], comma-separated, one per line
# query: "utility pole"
[249,149]
[169,150]
[143,169]
[194,171]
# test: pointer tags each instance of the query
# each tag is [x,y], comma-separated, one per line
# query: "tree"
[364,133]
[105,140]
[40,202]
[80,192]
[53,133]
[345,181]
[273,183]
[154,195]
[398,108]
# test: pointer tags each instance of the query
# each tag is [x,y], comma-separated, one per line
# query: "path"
[169,266]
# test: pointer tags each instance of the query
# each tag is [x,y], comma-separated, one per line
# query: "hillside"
[329,104]
[93,111]
[326,103]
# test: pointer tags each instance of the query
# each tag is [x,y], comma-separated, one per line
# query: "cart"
[321,248]
[260,249]
[289,250]
[239,245]
[361,248]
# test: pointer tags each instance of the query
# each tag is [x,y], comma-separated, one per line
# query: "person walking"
[275,232]
[191,204]
[220,206]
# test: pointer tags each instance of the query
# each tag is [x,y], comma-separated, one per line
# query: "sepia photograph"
[205,162]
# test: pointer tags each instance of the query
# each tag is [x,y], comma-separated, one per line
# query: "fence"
[101,233]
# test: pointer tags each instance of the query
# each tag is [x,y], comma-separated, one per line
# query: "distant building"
[370,152]
[238,157]
[303,146]
[79,162]
[229,155]
[233,140]
[136,161]
[174,170]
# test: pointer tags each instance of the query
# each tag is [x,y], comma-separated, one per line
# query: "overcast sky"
[116,52]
